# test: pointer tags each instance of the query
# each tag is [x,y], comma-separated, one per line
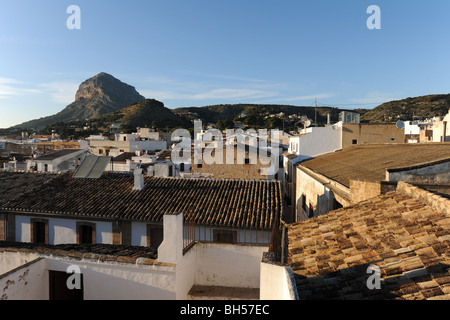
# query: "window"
[225,236]
[39,231]
[100,151]
[155,236]
[354,141]
[85,233]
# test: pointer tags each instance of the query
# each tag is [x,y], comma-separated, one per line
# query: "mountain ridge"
[103,95]
[96,96]
[427,106]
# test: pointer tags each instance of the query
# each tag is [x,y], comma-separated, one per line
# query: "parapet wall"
[435,201]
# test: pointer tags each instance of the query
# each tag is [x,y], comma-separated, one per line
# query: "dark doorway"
[58,287]
[39,232]
[85,234]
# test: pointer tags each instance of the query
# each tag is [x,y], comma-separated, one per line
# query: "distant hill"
[424,106]
[214,113]
[147,113]
[96,96]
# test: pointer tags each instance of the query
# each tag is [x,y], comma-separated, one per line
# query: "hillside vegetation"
[419,107]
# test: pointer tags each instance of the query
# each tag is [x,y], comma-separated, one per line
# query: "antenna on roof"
[315,111]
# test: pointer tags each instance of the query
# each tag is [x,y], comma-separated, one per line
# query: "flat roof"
[57,154]
[119,253]
[370,162]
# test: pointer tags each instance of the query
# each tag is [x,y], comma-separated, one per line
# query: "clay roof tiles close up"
[407,239]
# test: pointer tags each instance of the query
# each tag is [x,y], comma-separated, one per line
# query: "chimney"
[329,118]
[138,179]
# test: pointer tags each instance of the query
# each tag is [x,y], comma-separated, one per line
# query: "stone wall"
[436,173]
[435,201]
[364,133]
[363,190]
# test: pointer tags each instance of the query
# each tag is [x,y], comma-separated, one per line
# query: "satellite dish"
[400,124]
[307,123]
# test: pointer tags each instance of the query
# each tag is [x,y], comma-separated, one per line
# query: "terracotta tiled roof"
[405,238]
[15,184]
[370,162]
[237,203]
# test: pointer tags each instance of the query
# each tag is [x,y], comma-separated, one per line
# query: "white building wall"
[101,280]
[61,231]
[321,140]
[28,282]
[138,234]
[228,265]
[315,193]
[412,128]
[121,281]
[277,282]
[13,260]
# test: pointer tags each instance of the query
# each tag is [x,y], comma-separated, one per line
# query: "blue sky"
[202,52]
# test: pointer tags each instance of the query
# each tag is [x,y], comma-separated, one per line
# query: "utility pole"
[315,111]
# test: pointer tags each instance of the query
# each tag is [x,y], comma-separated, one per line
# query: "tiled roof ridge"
[435,201]
[100,252]
[35,172]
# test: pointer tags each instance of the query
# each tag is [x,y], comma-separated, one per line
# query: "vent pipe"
[138,179]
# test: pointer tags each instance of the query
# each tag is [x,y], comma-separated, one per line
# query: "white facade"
[105,147]
[60,164]
[316,141]
[412,128]
[441,129]
[309,143]
[62,231]
[169,277]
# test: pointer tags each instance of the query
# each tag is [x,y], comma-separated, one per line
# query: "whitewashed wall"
[61,231]
[12,260]
[138,234]
[121,281]
[28,282]
[228,265]
[277,282]
[316,194]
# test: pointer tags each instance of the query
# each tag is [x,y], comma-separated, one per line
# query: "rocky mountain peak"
[98,95]
[105,85]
